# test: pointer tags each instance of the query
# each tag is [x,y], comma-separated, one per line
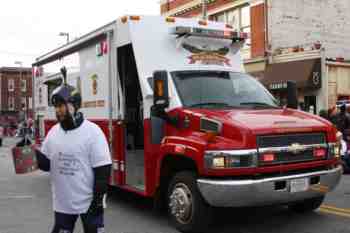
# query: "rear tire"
[307,205]
[187,209]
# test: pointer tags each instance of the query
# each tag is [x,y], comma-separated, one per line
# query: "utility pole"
[204,9]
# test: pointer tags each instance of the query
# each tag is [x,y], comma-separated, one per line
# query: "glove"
[43,161]
[101,175]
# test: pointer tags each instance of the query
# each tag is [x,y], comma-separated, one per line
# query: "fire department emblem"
[208,56]
[94,78]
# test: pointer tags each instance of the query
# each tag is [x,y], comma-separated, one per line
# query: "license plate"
[299,185]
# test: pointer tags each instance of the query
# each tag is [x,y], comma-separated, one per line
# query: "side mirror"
[160,90]
[292,95]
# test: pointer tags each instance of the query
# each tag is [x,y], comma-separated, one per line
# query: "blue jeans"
[64,223]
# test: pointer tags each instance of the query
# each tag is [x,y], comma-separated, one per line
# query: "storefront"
[339,82]
[307,75]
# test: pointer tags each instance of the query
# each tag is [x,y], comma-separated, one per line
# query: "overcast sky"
[29,29]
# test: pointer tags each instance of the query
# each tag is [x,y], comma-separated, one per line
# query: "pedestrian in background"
[333,115]
[343,120]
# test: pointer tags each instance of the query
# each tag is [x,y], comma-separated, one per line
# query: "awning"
[306,73]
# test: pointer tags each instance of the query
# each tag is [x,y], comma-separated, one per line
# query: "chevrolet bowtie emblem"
[296,148]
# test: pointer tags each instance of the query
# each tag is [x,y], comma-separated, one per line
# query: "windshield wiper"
[219,104]
[259,104]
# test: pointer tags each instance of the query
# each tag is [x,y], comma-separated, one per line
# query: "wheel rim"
[181,203]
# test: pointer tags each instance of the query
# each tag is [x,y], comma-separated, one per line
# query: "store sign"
[278,86]
[315,75]
[316,78]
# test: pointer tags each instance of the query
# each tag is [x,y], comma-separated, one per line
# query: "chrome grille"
[280,146]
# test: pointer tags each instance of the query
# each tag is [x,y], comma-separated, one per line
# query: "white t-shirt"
[73,154]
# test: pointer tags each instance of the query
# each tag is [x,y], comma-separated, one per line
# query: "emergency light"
[212,33]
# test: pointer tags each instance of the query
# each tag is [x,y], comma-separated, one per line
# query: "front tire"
[187,209]
[307,205]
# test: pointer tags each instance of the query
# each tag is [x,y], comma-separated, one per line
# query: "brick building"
[307,41]
[16,94]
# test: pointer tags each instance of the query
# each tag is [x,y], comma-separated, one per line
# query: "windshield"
[218,89]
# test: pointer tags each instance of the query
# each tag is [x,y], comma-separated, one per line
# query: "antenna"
[64,74]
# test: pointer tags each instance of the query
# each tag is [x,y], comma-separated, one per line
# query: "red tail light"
[268,157]
[320,153]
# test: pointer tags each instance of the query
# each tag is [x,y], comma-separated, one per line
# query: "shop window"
[23,103]
[11,103]
[310,104]
[239,18]
[30,103]
[11,84]
[24,85]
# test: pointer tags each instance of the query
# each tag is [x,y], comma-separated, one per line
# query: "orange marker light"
[124,19]
[159,88]
[135,17]
[210,136]
[170,19]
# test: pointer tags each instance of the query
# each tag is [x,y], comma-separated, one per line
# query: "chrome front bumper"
[240,193]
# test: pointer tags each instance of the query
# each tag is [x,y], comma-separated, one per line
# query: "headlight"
[231,159]
[219,162]
[334,150]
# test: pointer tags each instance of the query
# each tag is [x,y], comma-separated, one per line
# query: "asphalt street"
[25,207]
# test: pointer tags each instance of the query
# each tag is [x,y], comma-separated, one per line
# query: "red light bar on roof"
[212,33]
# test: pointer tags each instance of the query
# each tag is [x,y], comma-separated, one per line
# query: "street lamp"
[66,34]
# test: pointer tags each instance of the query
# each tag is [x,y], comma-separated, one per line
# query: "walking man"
[76,154]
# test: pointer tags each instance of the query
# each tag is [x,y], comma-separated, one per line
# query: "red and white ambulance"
[185,123]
